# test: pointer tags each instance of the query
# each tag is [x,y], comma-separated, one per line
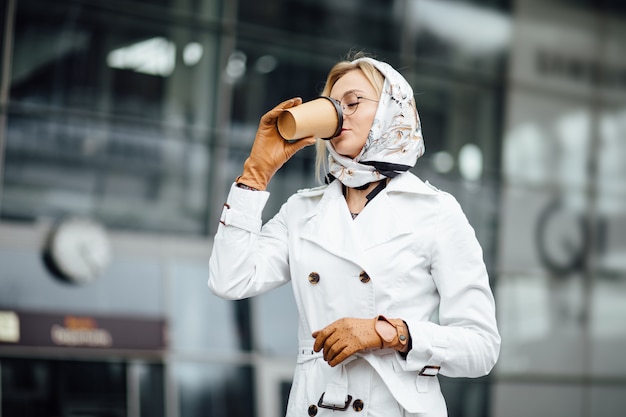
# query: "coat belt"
[335,394]
[405,394]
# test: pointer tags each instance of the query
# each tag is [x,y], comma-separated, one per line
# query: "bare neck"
[357,199]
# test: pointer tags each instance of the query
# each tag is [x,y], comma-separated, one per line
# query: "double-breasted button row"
[314,277]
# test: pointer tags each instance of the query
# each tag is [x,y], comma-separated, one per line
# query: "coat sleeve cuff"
[428,350]
[243,209]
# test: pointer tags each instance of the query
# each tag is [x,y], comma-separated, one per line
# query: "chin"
[348,155]
[346,151]
[343,151]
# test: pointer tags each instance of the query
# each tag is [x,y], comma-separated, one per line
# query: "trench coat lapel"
[330,225]
[380,222]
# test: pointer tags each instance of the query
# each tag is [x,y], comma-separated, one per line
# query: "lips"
[340,133]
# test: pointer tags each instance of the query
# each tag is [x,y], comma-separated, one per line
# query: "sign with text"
[19,328]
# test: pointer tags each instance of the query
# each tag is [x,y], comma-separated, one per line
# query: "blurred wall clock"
[77,250]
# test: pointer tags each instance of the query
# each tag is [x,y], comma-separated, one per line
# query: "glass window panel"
[611,197]
[201,322]
[607,400]
[455,114]
[275,322]
[466,396]
[322,24]
[538,398]
[269,75]
[560,294]
[544,231]
[613,76]
[611,204]
[458,45]
[545,155]
[547,140]
[199,8]
[151,389]
[110,116]
[609,291]
[25,387]
[42,388]
[609,6]
[214,390]
[541,321]
[542,290]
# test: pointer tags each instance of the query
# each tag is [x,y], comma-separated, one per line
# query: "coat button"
[358,405]
[312,410]
[364,277]
[314,278]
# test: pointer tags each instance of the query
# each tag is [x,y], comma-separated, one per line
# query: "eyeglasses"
[350,103]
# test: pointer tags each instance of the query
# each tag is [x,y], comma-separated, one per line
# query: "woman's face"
[356,126]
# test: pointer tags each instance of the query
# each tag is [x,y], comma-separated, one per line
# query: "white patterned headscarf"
[395,140]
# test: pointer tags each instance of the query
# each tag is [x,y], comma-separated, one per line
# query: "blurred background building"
[123,123]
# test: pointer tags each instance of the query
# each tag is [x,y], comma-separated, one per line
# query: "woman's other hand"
[348,336]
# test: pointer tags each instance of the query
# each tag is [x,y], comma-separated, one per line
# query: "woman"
[372,257]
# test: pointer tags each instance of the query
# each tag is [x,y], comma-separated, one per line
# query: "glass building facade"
[139,114]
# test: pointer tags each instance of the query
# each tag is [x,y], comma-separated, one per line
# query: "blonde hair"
[375,77]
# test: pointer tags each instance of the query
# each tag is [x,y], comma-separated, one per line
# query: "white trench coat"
[410,254]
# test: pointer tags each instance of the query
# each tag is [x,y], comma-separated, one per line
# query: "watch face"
[79,250]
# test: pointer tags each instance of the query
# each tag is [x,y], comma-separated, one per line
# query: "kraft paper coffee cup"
[320,118]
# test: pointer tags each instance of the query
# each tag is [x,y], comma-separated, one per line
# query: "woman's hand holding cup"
[270,151]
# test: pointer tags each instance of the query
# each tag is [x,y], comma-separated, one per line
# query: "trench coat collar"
[409,183]
[330,225]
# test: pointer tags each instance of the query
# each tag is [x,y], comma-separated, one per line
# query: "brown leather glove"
[394,333]
[347,336]
[270,151]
